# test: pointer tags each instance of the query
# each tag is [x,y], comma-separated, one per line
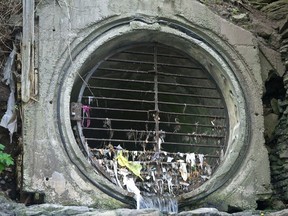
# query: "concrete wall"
[71,34]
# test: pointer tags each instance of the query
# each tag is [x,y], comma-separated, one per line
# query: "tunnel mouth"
[216,62]
[151,113]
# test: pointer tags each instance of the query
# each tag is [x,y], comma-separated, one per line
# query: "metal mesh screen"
[162,110]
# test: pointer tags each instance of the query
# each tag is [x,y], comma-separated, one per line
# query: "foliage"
[10,20]
[5,159]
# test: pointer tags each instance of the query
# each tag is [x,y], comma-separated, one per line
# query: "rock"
[248,213]
[8,207]
[284,25]
[240,17]
[204,211]
[284,35]
[278,204]
[284,154]
[53,209]
[279,213]
[273,59]
[4,92]
[284,49]
[225,14]
[262,30]
[270,123]
[275,106]
[277,10]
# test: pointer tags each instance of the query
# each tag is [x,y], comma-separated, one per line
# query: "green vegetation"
[5,159]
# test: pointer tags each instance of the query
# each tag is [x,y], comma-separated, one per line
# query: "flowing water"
[163,203]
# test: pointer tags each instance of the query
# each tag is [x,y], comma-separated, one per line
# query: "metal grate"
[162,110]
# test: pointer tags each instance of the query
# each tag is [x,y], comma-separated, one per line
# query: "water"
[164,204]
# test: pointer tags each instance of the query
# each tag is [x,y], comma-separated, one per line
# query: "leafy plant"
[5,159]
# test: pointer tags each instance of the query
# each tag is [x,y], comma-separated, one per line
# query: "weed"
[5,159]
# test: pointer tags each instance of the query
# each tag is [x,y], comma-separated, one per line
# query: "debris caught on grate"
[152,115]
[167,173]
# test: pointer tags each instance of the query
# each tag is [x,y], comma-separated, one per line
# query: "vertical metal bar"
[157,137]
[156,117]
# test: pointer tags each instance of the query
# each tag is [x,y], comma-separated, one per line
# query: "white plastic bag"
[9,120]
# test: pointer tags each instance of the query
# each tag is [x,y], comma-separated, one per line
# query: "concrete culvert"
[157,103]
[160,108]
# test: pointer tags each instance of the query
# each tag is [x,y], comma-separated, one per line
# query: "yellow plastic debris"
[135,168]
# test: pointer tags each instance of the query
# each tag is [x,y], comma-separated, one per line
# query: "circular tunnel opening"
[153,114]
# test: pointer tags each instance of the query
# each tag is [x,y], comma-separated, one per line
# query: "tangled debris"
[168,174]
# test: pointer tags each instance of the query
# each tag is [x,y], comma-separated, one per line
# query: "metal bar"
[124,70]
[192,145]
[121,110]
[160,102]
[123,80]
[152,92]
[182,76]
[189,86]
[165,143]
[151,82]
[162,55]
[153,152]
[143,121]
[195,115]
[163,112]
[118,140]
[156,115]
[190,95]
[150,63]
[151,131]
[192,105]
[168,163]
[146,72]
[170,133]
[124,90]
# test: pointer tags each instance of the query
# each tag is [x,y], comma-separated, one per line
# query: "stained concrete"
[73,35]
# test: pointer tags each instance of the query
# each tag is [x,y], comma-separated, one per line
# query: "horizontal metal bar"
[191,105]
[150,63]
[164,143]
[167,163]
[158,54]
[118,109]
[124,70]
[192,145]
[160,102]
[146,72]
[169,133]
[163,112]
[122,80]
[152,92]
[189,95]
[186,85]
[194,115]
[151,82]
[195,135]
[161,152]
[152,122]
[181,75]
[118,140]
